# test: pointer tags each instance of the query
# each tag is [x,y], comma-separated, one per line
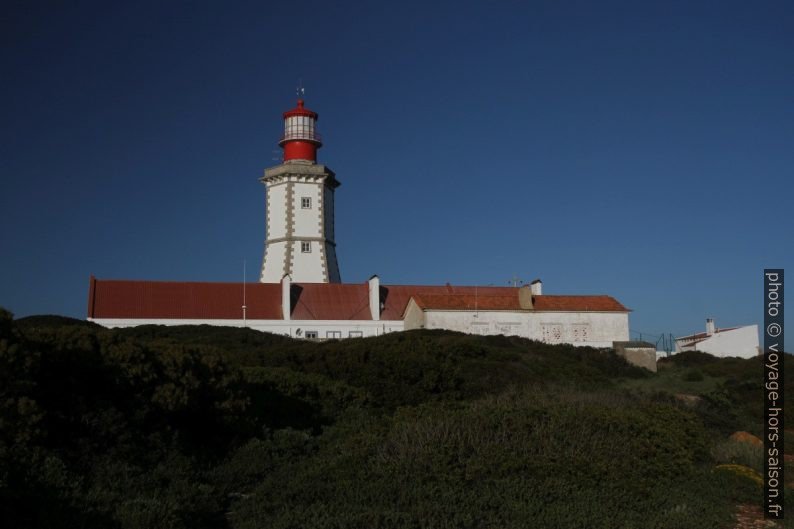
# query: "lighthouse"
[299,205]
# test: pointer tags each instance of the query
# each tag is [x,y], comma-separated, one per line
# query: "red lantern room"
[301,139]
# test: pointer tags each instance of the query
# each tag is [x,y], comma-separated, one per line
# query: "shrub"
[521,459]
[740,453]
[218,427]
[689,359]
[693,375]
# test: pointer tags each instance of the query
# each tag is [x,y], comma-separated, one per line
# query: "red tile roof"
[700,336]
[466,302]
[330,301]
[182,300]
[505,301]
[310,301]
[397,296]
[578,303]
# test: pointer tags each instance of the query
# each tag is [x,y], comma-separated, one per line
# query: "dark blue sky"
[628,148]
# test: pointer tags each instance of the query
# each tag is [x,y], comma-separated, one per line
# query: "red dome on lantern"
[301,139]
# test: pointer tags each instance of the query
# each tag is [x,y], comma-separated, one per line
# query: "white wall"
[306,222]
[414,317]
[288,328]
[275,227]
[594,329]
[276,205]
[605,327]
[307,267]
[273,266]
[328,211]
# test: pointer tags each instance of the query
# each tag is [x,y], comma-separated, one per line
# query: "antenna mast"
[244,307]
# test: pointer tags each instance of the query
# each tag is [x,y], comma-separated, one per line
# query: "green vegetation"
[200,427]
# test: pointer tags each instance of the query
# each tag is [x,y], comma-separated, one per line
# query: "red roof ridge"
[700,336]
[173,281]
[452,286]
[510,301]
[572,295]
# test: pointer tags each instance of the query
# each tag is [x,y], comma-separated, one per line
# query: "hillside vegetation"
[194,427]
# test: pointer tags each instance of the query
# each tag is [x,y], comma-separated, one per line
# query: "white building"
[596,321]
[300,293]
[347,310]
[733,341]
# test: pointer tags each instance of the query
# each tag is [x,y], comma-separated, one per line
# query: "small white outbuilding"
[732,341]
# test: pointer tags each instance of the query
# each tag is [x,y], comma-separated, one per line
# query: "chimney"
[709,326]
[286,296]
[525,297]
[536,287]
[374,297]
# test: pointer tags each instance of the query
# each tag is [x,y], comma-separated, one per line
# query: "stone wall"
[642,354]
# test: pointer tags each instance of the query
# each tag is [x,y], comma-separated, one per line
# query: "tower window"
[306,202]
[306,247]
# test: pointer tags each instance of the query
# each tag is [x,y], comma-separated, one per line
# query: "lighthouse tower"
[299,201]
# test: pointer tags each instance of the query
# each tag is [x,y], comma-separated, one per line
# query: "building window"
[552,332]
[355,334]
[311,335]
[306,202]
[581,332]
[333,334]
[306,247]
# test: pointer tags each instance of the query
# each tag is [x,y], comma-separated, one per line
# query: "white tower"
[299,201]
